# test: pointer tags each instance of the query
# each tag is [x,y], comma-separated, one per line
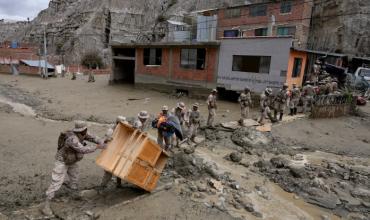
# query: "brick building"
[163,65]
[265,18]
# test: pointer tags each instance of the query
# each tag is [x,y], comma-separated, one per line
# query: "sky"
[21,9]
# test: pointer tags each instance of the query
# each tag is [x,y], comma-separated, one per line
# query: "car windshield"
[365,72]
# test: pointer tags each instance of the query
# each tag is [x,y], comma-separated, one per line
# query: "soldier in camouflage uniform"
[280,102]
[193,122]
[72,151]
[245,101]
[265,104]
[212,107]
[308,93]
[140,122]
[295,96]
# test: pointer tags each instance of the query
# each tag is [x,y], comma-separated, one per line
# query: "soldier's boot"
[275,115]
[291,112]
[295,111]
[281,116]
[119,182]
[46,210]
[273,119]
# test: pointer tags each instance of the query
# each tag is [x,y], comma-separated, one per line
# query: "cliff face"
[341,26]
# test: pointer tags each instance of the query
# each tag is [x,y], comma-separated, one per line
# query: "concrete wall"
[277,48]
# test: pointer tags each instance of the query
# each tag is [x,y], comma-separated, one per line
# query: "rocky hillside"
[341,26]
[10,28]
[75,27]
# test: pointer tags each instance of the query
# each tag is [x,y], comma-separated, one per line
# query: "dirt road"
[34,111]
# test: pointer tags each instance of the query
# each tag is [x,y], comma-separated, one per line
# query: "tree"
[92,60]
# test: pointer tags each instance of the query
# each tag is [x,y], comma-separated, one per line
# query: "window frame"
[288,28]
[233,13]
[296,67]
[265,30]
[200,62]
[147,59]
[236,31]
[261,60]
[258,10]
[284,5]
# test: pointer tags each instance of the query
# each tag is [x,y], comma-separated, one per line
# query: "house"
[264,18]
[258,63]
[24,67]
[163,65]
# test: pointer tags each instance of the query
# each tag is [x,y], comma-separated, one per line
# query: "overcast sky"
[21,9]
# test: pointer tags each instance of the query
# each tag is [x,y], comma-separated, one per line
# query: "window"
[297,67]
[193,58]
[285,7]
[260,32]
[286,31]
[152,56]
[283,73]
[231,33]
[258,10]
[251,64]
[232,13]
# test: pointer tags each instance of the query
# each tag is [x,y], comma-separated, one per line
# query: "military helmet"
[80,126]
[268,91]
[143,115]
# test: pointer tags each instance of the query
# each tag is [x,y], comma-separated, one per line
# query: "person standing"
[212,107]
[163,138]
[265,104]
[71,149]
[245,101]
[295,96]
[140,122]
[280,102]
[308,93]
[194,122]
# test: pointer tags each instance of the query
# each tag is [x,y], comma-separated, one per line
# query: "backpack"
[63,137]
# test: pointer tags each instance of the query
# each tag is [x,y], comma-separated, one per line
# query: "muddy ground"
[304,169]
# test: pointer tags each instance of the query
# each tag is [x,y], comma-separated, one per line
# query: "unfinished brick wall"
[162,70]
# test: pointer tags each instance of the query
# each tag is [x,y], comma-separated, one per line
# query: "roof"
[167,44]
[204,10]
[177,23]
[320,52]
[37,63]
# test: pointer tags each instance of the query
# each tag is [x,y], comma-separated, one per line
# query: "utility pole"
[45,55]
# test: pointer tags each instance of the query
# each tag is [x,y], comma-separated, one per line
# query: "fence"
[331,106]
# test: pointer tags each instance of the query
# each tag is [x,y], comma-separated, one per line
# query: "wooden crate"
[133,157]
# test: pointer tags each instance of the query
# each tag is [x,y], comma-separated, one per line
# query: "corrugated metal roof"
[37,63]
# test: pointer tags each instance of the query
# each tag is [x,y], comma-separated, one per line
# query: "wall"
[171,73]
[298,80]
[5,68]
[298,17]
[277,48]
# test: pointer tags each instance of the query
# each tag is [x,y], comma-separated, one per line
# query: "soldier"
[212,107]
[71,149]
[74,76]
[109,137]
[140,122]
[308,93]
[180,113]
[194,122]
[294,99]
[265,103]
[163,139]
[280,102]
[91,77]
[245,101]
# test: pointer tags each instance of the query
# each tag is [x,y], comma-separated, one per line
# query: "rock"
[248,206]
[168,187]
[324,217]
[298,157]
[216,184]
[361,193]
[326,200]
[297,171]
[236,157]
[235,185]
[296,197]
[257,214]
[279,162]
[199,195]
[88,194]
[201,187]
[249,137]
[189,150]
[211,169]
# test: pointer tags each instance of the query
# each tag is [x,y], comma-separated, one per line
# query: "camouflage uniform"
[280,103]
[212,106]
[65,168]
[265,104]
[245,101]
[294,100]
[194,123]
[308,94]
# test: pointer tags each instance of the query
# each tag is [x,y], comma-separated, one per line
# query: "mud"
[233,174]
